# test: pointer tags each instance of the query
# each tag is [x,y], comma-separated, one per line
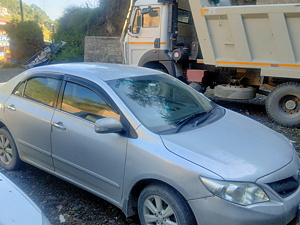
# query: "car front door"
[28,113]
[94,161]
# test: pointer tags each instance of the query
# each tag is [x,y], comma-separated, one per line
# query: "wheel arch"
[2,125]
[158,59]
[131,205]
[156,65]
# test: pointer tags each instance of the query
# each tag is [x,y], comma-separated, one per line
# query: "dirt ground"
[61,201]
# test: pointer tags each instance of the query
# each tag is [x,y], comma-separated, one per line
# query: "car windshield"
[160,102]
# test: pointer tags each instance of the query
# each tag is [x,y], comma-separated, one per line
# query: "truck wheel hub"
[290,104]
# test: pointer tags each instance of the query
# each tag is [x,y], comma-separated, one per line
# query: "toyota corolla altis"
[149,144]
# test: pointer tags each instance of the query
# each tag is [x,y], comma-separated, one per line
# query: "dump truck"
[238,51]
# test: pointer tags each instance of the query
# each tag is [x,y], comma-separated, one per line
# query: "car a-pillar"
[283,104]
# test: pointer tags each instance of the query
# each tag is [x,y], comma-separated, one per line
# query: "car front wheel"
[9,157]
[162,205]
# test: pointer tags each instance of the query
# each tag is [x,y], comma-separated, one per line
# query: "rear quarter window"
[39,89]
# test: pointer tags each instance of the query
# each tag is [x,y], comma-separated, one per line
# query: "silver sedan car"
[16,208]
[149,144]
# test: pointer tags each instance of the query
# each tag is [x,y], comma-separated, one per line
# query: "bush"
[26,39]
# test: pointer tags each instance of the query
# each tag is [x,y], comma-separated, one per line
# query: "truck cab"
[153,33]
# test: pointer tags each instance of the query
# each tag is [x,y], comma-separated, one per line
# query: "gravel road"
[64,203]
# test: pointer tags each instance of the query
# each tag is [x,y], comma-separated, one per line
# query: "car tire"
[9,157]
[283,104]
[161,204]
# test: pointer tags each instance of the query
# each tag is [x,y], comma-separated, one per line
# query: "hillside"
[108,23]
[10,10]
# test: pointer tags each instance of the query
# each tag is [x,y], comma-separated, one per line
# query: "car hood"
[234,147]
[16,208]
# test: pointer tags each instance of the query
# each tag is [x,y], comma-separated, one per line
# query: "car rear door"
[95,161]
[28,112]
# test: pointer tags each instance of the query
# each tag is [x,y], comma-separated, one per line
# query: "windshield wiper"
[184,121]
[202,119]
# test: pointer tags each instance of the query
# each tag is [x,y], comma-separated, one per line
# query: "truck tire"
[283,104]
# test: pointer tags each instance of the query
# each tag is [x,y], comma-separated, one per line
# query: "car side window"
[39,89]
[85,103]
[20,89]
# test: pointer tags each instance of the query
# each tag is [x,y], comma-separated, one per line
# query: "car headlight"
[237,192]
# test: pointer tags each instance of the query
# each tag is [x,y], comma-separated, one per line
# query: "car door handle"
[11,107]
[59,125]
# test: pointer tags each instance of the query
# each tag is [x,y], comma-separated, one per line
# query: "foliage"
[113,15]
[73,26]
[78,22]
[26,39]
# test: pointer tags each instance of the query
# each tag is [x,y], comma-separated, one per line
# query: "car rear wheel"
[162,205]
[9,157]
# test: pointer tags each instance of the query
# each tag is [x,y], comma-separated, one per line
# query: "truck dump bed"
[258,36]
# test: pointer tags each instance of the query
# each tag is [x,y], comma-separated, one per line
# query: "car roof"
[104,71]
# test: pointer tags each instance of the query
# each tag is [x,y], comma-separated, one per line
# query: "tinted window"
[151,19]
[85,103]
[40,89]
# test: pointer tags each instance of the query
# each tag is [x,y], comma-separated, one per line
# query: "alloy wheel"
[158,212]
[6,152]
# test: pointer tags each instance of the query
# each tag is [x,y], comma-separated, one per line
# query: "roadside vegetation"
[26,39]
[77,22]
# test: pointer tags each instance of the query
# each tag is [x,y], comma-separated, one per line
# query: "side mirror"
[146,10]
[108,125]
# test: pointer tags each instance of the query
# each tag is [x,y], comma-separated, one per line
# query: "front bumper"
[213,210]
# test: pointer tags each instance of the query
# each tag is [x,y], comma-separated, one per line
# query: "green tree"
[26,39]
[32,12]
